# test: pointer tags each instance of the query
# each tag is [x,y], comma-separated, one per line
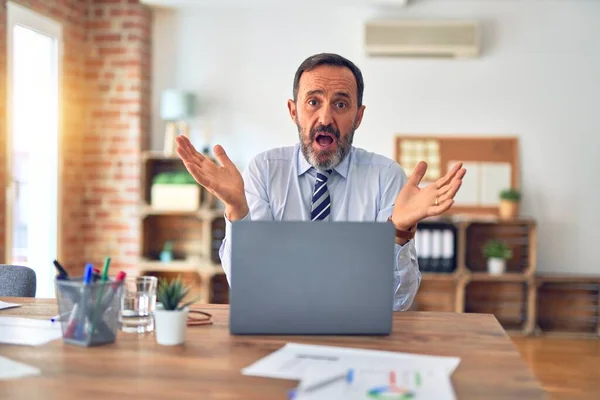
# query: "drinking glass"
[138,304]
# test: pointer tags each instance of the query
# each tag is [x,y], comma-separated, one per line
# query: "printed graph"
[394,390]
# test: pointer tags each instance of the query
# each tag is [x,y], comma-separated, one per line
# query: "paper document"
[10,369]
[4,305]
[26,331]
[376,382]
[293,361]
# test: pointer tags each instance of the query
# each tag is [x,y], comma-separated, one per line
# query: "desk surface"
[209,364]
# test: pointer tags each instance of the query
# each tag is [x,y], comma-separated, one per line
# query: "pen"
[62,274]
[71,325]
[112,290]
[100,292]
[59,317]
[348,376]
[87,278]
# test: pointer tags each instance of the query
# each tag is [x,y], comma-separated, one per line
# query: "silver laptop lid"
[301,277]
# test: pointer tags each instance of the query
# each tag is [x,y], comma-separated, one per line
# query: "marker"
[87,279]
[112,290]
[58,318]
[72,324]
[348,376]
[100,292]
[62,274]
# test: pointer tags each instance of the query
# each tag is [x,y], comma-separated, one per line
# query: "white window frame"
[23,16]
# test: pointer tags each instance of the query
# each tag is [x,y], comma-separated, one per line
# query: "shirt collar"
[342,168]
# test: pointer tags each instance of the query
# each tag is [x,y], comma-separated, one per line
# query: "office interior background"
[87,107]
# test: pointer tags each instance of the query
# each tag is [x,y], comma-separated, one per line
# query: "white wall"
[539,78]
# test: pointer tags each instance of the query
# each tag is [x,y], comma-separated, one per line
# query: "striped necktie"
[321,201]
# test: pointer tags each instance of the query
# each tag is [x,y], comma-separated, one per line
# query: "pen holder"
[92,311]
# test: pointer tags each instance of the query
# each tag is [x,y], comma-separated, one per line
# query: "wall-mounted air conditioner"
[422,38]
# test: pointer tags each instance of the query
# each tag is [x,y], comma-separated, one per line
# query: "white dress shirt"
[279,185]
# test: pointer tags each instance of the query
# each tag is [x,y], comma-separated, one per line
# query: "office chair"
[17,281]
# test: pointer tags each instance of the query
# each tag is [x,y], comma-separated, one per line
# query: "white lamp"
[175,107]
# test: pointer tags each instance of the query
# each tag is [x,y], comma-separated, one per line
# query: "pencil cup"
[92,310]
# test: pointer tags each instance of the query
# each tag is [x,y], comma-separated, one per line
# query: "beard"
[325,159]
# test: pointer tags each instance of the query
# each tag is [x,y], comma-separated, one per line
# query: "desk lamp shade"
[176,105]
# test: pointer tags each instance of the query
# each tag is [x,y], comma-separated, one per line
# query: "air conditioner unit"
[422,38]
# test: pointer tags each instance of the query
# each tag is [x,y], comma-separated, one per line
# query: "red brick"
[112,37]
[108,51]
[94,62]
[126,12]
[125,63]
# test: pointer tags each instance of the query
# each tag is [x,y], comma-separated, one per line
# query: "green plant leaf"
[171,293]
[497,249]
[510,194]
[189,303]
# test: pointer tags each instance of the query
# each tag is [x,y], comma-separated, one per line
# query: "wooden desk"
[208,365]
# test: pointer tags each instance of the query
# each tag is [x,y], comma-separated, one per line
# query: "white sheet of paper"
[377,382]
[495,177]
[4,305]
[26,331]
[469,193]
[10,369]
[293,360]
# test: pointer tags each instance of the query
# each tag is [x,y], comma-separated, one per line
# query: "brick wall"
[105,112]
[118,72]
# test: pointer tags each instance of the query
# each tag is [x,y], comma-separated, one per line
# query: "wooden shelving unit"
[468,287]
[568,305]
[192,234]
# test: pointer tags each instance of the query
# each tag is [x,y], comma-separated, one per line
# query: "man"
[324,177]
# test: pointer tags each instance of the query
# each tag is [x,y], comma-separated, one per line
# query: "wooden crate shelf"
[193,234]
[568,305]
[519,235]
[508,301]
[436,295]
[510,296]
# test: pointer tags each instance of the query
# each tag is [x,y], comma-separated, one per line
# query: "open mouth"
[325,141]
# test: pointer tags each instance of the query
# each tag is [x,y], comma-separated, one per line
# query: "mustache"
[324,129]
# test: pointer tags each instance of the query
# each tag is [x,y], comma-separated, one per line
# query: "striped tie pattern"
[321,201]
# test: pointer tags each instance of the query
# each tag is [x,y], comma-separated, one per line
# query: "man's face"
[326,114]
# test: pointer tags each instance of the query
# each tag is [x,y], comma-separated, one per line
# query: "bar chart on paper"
[380,384]
[406,389]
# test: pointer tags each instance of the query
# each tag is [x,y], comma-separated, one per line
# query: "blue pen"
[348,376]
[87,279]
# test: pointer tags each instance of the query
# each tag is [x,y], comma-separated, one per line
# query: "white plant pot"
[173,197]
[496,266]
[170,326]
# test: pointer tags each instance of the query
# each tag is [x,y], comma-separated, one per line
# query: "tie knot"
[323,175]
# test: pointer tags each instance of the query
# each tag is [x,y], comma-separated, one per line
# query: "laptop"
[311,278]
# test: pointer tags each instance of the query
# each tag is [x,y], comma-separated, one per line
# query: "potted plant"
[175,191]
[509,203]
[171,314]
[496,252]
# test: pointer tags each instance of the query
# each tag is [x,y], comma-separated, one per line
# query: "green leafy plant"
[168,246]
[497,249]
[510,195]
[171,294]
[174,178]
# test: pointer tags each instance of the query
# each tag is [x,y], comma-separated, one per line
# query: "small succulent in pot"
[172,312]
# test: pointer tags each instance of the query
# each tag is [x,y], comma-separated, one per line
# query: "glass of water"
[138,304]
